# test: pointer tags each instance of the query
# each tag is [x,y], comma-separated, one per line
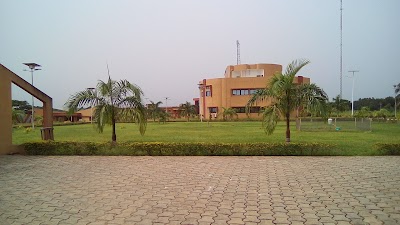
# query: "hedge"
[388,148]
[179,149]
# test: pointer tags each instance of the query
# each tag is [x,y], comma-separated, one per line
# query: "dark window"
[255,109]
[239,109]
[213,109]
[208,93]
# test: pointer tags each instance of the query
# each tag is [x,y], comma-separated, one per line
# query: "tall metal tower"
[237,52]
[341,47]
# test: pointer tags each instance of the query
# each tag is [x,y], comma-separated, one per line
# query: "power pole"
[341,47]
[237,52]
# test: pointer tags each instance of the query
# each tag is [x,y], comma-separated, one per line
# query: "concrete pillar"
[5,113]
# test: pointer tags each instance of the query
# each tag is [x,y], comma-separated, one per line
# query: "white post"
[33,117]
[91,114]
[352,92]
[395,104]
[352,98]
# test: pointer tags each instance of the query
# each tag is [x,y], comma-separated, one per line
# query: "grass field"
[351,142]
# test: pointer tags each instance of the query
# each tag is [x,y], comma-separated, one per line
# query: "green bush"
[388,148]
[179,149]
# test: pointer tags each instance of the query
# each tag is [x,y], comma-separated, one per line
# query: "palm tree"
[340,105]
[154,111]
[112,100]
[228,113]
[287,96]
[187,110]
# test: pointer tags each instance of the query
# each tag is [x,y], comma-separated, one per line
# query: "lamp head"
[32,66]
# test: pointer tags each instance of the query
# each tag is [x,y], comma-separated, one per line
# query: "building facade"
[235,89]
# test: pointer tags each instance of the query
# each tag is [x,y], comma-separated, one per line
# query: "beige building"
[235,89]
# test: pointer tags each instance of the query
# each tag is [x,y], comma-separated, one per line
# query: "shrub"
[388,148]
[179,149]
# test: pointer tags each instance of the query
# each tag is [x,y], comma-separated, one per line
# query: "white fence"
[335,124]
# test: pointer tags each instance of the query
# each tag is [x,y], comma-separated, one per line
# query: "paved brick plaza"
[199,190]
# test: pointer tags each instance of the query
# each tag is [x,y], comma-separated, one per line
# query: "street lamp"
[32,67]
[201,99]
[166,104]
[352,91]
[395,104]
[91,106]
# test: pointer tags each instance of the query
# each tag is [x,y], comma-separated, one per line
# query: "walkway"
[199,190]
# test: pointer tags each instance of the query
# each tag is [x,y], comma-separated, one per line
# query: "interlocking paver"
[199,190]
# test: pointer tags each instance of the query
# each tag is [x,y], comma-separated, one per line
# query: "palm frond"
[81,99]
[295,66]
[137,115]
[259,96]
[270,119]
[313,98]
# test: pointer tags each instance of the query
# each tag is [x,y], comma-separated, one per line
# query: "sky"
[167,47]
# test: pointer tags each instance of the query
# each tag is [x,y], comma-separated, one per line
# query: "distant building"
[58,115]
[235,89]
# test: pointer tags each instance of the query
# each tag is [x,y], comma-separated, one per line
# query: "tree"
[340,105]
[17,116]
[383,113]
[228,113]
[187,110]
[112,100]
[363,112]
[21,105]
[287,96]
[154,111]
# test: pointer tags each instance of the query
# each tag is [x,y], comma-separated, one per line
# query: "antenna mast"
[237,52]
[341,47]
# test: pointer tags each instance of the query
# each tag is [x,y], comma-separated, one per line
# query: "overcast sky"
[166,47]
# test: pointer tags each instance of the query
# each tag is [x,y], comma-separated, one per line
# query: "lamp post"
[201,86]
[352,91]
[32,67]
[395,103]
[91,106]
[166,104]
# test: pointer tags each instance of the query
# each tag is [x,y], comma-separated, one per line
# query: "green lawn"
[352,142]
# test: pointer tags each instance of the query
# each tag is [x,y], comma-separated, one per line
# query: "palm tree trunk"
[287,127]
[114,135]
[288,117]
[297,119]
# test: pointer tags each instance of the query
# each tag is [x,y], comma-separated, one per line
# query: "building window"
[255,109]
[208,91]
[253,91]
[239,109]
[213,109]
[244,91]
